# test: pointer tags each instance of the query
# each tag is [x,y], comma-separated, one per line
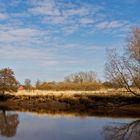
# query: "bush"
[87,86]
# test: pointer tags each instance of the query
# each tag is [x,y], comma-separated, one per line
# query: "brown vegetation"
[85,81]
[60,86]
[77,102]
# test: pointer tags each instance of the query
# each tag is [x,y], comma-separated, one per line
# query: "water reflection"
[123,131]
[34,126]
[8,123]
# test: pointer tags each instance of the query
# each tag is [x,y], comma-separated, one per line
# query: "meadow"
[71,93]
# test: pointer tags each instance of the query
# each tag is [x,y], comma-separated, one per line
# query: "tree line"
[76,81]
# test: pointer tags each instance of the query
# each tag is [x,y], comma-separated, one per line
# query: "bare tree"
[27,84]
[133,53]
[37,85]
[133,48]
[81,77]
[125,70]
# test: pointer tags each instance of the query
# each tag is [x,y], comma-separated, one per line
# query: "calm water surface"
[29,126]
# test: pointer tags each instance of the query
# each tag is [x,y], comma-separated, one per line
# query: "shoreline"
[89,105]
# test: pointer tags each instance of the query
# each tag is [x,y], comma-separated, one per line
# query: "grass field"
[103,92]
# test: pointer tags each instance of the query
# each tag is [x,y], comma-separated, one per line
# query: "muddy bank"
[80,105]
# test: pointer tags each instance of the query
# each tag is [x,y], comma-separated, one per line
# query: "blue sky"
[49,39]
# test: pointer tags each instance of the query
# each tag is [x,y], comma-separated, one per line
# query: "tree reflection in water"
[8,124]
[123,131]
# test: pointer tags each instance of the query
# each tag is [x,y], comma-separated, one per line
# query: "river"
[34,126]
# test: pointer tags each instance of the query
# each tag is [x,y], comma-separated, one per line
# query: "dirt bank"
[90,104]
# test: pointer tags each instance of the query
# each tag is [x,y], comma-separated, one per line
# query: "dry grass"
[70,100]
[69,94]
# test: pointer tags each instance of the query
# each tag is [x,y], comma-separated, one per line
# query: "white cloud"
[22,36]
[37,56]
[14,3]
[45,8]
[71,46]
[55,20]
[53,8]
[82,11]
[110,25]
[53,12]
[67,30]
[3,16]
[86,21]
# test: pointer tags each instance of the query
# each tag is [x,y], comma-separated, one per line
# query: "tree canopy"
[8,82]
[81,77]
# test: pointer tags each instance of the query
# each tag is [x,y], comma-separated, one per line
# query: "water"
[32,126]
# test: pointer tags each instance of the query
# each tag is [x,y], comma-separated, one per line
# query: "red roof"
[21,88]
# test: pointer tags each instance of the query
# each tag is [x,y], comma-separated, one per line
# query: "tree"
[124,70]
[81,77]
[38,84]
[8,82]
[27,84]
[133,48]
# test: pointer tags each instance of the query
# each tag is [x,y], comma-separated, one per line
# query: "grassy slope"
[97,102]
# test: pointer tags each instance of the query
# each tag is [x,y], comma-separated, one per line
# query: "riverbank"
[88,103]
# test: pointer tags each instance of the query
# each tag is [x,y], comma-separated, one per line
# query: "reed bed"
[102,92]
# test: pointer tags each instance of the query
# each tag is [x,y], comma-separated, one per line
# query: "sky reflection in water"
[28,126]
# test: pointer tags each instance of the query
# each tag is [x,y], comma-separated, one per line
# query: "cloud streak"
[111,24]
[36,56]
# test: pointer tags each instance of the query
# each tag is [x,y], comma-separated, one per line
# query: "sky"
[50,39]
